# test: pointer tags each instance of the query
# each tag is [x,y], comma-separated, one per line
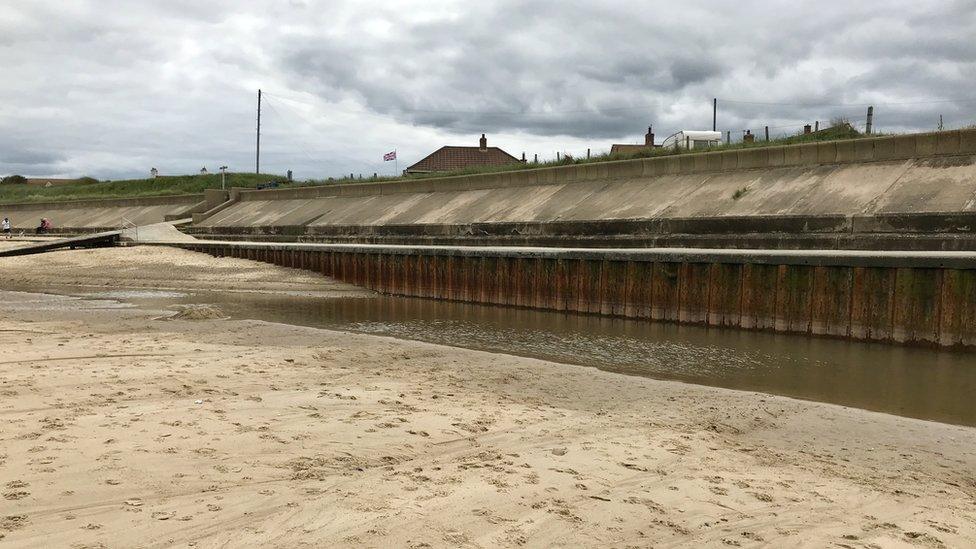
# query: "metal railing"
[126,224]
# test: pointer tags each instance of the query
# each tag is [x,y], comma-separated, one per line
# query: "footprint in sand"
[133,503]
[10,523]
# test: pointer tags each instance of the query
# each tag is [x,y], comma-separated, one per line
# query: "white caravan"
[693,139]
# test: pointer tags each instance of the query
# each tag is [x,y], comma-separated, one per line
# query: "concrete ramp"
[157,233]
[97,240]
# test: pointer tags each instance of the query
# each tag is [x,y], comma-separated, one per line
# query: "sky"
[112,88]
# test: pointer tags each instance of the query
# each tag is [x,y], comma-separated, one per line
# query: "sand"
[162,269]
[121,430]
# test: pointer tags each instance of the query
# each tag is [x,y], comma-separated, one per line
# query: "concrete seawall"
[922,298]
[914,192]
[883,185]
[100,214]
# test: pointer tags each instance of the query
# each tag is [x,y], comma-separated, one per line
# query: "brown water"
[930,384]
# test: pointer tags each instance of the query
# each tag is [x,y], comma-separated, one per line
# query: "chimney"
[649,137]
[483,144]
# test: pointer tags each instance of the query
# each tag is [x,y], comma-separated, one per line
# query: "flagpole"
[396,163]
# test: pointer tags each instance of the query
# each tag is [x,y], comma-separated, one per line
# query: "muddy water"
[924,383]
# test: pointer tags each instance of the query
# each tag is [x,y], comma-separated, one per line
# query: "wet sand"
[122,429]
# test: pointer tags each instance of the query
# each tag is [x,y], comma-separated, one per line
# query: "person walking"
[5,226]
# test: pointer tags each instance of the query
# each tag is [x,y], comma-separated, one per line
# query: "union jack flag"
[389,156]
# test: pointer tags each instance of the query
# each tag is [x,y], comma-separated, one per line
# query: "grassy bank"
[161,186]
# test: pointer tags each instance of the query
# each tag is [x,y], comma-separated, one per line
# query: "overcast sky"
[112,88]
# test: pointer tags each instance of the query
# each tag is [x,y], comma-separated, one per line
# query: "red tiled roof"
[449,158]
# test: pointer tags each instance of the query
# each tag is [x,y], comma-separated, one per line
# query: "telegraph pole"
[257,150]
[714,111]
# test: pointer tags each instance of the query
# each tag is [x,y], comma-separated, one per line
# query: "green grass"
[161,186]
[195,184]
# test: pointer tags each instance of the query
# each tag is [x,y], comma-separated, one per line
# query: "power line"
[497,113]
[306,152]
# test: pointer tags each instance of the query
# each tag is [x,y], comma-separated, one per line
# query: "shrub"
[13,180]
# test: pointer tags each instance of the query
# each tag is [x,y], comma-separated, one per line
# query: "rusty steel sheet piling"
[907,298]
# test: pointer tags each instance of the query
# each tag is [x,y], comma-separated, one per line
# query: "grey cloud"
[464,75]
[116,86]
[29,157]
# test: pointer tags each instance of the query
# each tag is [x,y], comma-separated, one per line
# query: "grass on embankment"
[195,184]
[161,186]
[839,132]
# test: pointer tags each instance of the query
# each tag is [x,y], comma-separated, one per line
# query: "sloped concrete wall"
[101,214]
[901,174]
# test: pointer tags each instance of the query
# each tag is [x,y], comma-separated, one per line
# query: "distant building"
[49,182]
[448,158]
[621,148]
[153,173]
[203,170]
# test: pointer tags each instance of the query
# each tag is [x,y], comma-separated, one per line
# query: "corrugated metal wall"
[934,306]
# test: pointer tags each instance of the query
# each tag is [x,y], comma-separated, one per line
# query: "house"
[621,148]
[448,158]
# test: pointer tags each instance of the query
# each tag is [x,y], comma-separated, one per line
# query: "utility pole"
[870,123]
[714,112]
[257,150]
[223,175]
[940,123]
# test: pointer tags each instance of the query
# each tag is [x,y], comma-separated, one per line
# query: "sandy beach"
[161,269]
[122,428]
